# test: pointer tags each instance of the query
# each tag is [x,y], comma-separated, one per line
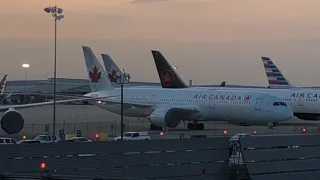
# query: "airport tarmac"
[92,120]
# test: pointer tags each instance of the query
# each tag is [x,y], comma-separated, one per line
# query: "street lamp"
[124,78]
[57,15]
[25,67]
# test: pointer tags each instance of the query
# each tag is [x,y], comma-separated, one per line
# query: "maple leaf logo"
[94,75]
[167,78]
[247,98]
[113,76]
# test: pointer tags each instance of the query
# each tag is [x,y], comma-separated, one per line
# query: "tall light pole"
[57,15]
[123,79]
[25,67]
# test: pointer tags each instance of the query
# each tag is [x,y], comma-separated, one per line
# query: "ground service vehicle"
[134,136]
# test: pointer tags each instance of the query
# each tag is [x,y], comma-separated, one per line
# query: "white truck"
[134,136]
[46,138]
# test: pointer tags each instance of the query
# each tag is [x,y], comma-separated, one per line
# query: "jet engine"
[309,117]
[166,117]
[12,121]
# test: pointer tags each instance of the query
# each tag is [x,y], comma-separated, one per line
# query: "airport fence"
[189,159]
[88,129]
[293,157]
[112,129]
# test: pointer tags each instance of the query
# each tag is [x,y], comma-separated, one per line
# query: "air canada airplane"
[114,72]
[12,121]
[305,103]
[167,107]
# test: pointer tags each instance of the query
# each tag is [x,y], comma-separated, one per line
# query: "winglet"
[167,75]
[223,84]
[275,77]
[97,75]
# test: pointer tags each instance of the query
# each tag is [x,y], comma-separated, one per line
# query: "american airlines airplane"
[275,77]
[167,107]
[3,86]
[3,83]
[305,103]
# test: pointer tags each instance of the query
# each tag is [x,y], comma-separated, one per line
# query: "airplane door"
[211,104]
[258,104]
[300,102]
[153,98]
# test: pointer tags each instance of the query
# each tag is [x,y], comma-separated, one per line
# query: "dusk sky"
[209,40]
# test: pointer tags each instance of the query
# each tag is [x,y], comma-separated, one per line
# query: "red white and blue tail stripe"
[275,77]
[3,84]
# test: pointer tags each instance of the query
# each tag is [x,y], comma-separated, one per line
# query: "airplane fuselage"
[303,102]
[211,105]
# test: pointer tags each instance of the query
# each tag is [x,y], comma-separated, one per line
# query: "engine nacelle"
[166,117]
[12,121]
[309,117]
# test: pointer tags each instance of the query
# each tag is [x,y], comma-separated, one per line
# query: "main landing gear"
[195,126]
[272,125]
[154,127]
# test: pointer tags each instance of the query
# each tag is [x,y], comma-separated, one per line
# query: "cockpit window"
[283,104]
[279,104]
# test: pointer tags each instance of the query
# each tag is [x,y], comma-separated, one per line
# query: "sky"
[209,40]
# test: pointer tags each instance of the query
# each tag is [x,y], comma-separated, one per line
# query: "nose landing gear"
[195,126]
[271,125]
[154,127]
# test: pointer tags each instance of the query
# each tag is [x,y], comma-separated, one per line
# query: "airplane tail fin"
[3,83]
[114,73]
[223,84]
[167,75]
[275,77]
[97,75]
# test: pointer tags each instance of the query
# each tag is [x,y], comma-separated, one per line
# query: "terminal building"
[32,91]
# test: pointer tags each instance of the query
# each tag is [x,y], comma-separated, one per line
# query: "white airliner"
[167,107]
[114,72]
[305,103]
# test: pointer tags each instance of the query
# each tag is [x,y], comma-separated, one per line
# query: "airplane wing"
[126,105]
[187,112]
[23,106]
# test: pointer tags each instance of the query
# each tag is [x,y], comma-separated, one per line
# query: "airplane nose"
[287,114]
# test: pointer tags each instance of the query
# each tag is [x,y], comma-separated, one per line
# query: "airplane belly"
[236,114]
[217,114]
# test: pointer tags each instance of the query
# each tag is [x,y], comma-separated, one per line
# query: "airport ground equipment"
[134,136]
[283,157]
